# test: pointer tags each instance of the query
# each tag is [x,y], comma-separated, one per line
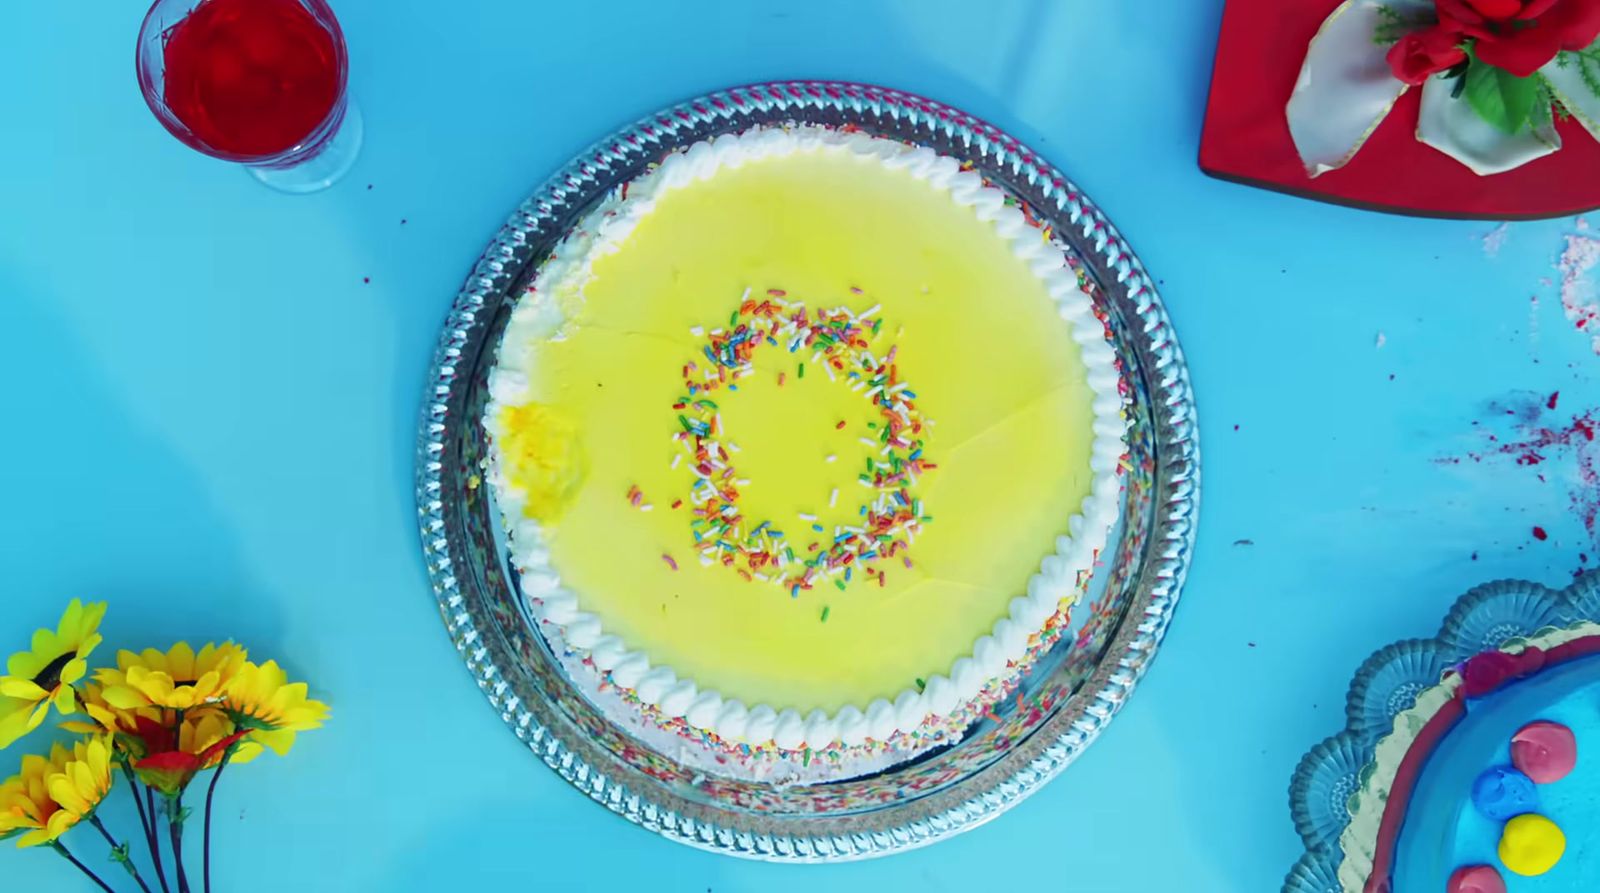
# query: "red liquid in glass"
[251,77]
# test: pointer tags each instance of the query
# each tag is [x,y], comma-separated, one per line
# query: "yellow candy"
[1531,844]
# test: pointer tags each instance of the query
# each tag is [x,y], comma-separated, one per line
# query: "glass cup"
[247,81]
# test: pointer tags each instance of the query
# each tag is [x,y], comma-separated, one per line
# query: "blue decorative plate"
[1388,682]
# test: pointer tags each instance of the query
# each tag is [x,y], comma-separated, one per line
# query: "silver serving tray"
[1061,704]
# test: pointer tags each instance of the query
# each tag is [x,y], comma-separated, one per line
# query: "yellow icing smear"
[542,457]
[977,337]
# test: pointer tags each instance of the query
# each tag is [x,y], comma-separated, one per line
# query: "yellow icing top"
[979,340]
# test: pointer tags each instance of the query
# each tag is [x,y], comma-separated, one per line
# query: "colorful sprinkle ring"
[845,345]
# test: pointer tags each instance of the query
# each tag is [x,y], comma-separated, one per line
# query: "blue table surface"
[209,420]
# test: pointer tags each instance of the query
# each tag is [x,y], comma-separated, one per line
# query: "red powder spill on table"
[1578,301]
[1537,440]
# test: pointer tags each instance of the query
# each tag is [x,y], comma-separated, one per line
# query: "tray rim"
[1004,782]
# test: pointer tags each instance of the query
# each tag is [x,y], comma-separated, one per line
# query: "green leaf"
[1500,97]
[246,721]
[1588,62]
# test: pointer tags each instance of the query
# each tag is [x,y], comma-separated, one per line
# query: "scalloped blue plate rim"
[1563,606]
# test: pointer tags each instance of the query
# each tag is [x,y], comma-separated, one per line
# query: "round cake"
[1487,783]
[805,441]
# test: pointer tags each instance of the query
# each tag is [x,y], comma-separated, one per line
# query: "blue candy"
[1504,792]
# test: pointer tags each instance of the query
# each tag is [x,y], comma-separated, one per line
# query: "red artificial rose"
[170,771]
[1422,54]
[1522,36]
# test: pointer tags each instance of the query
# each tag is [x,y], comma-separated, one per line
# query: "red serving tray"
[1246,136]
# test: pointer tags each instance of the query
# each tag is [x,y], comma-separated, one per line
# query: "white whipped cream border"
[538,316]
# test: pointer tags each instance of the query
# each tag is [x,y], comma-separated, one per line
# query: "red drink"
[251,77]
[260,82]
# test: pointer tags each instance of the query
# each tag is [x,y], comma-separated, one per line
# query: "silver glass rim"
[1034,760]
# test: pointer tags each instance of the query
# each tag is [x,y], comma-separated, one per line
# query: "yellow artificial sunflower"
[133,732]
[44,674]
[261,700]
[25,804]
[202,732]
[53,794]
[177,679]
[102,716]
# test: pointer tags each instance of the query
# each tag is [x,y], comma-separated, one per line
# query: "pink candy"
[1544,751]
[1475,879]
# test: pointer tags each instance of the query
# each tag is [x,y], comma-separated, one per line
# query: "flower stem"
[81,867]
[119,853]
[211,791]
[175,832]
[147,821]
[155,834]
[138,799]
